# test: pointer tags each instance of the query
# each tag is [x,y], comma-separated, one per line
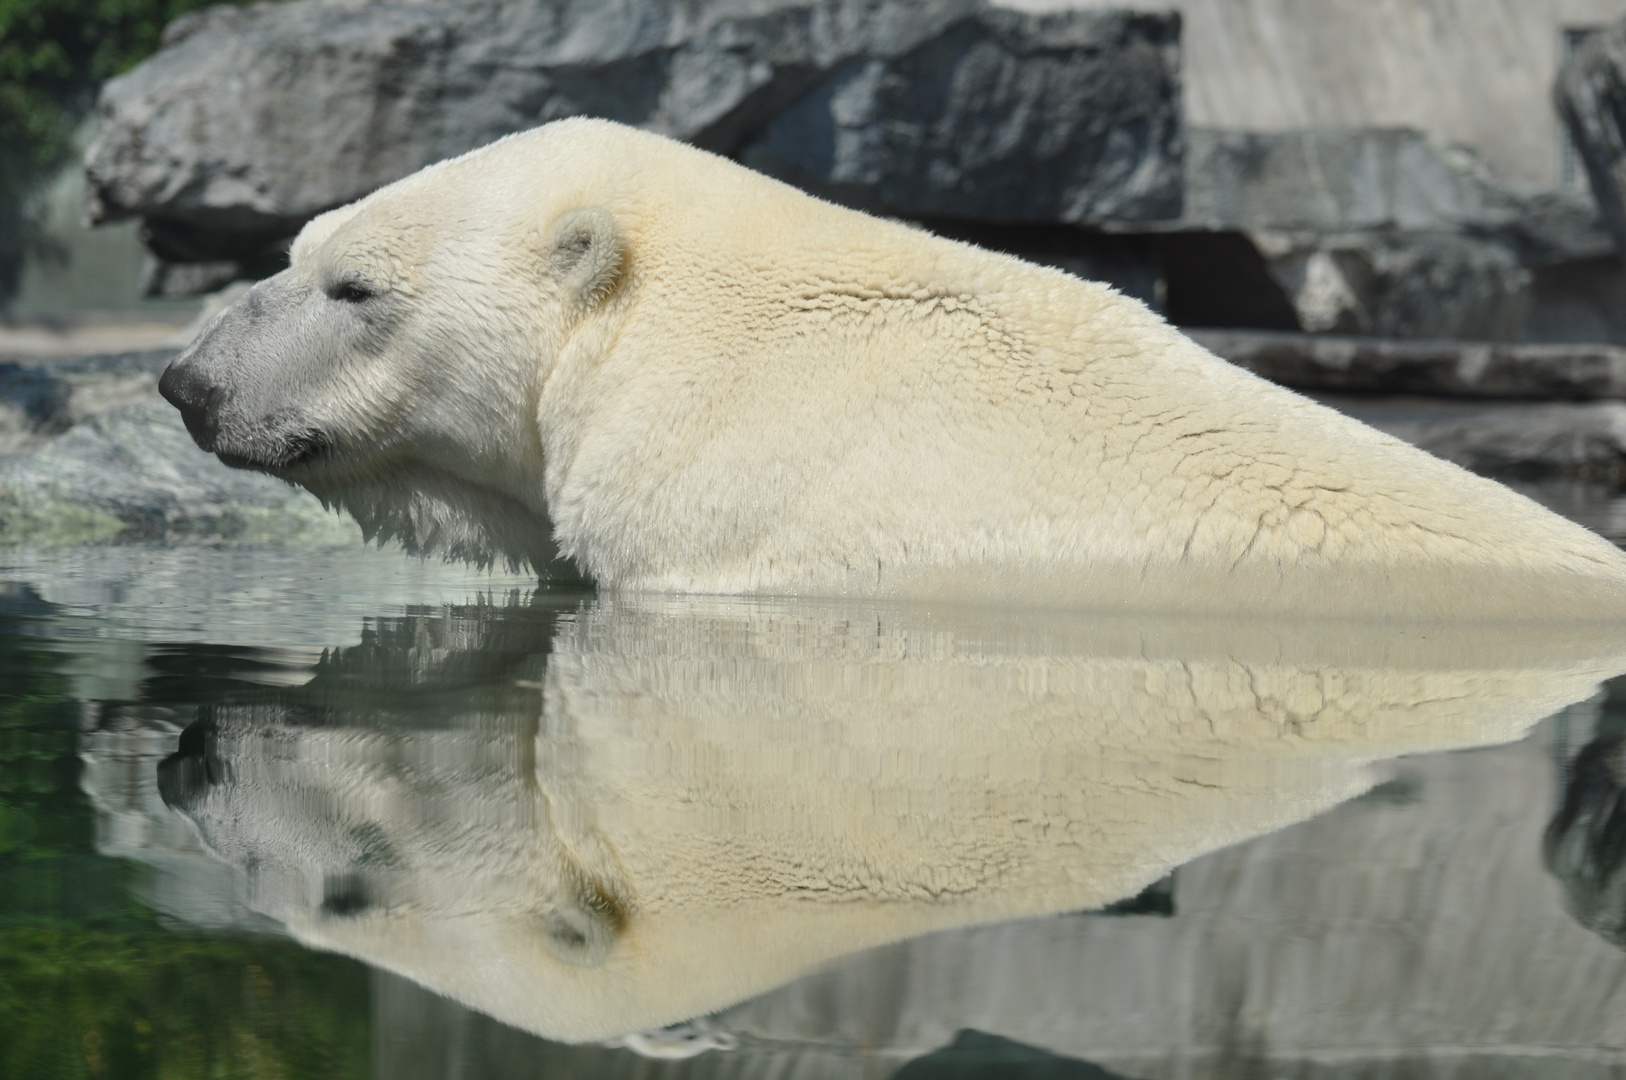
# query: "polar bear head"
[394,367]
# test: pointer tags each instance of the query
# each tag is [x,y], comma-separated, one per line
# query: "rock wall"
[1472,73]
[250,121]
[1380,232]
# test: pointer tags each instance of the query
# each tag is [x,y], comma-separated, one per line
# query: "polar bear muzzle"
[237,385]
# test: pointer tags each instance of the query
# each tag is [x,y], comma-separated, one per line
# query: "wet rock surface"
[923,108]
[89,453]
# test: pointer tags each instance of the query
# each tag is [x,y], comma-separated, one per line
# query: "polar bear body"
[688,377]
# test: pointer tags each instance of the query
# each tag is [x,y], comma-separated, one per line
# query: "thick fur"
[687,377]
[687,802]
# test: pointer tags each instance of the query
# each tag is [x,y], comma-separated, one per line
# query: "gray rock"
[1002,117]
[1338,180]
[1378,231]
[249,121]
[1432,284]
[1461,369]
[1334,181]
[134,474]
[1585,440]
[89,453]
[1591,98]
[41,400]
[172,279]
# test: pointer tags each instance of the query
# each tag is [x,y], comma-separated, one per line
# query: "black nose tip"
[198,401]
[187,775]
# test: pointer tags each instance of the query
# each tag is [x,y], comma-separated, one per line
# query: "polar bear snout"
[277,443]
[243,386]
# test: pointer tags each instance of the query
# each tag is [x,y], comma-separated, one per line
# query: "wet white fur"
[748,390]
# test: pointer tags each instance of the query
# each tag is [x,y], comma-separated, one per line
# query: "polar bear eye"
[350,292]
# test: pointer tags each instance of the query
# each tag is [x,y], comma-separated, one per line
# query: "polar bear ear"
[586,253]
[582,931]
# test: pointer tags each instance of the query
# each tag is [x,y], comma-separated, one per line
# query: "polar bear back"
[819,401]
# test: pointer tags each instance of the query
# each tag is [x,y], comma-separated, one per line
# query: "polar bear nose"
[197,399]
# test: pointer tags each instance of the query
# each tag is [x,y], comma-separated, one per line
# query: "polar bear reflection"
[637,813]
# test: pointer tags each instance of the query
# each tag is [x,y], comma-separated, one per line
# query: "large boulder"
[250,121]
[1331,180]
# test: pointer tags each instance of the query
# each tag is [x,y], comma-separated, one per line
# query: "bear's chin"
[431,513]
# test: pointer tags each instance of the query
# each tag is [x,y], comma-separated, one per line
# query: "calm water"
[341,813]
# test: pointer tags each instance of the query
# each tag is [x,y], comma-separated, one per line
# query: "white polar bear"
[711,382]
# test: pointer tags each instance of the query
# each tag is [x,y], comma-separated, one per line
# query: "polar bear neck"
[429,511]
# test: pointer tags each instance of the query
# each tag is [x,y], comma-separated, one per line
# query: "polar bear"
[591,341]
[652,808]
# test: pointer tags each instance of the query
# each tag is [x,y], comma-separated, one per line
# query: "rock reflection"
[1585,844]
[594,822]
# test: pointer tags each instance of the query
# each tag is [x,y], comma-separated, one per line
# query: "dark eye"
[350,292]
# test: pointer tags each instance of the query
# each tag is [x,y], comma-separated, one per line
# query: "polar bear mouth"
[302,448]
[291,451]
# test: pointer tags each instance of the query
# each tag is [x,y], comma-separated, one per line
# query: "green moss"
[90,985]
[53,56]
[85,1003]
[302,524]
[37,520]
[41,519]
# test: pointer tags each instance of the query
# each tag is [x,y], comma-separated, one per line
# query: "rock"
[134,474]
[1431,284]
[1467,369]
[1581,301]
[1591,98]
[210,140]
[1378,231]
[171,279]
[32,402]
[89,453]
[1003,118]
[1535,441]
[39,401]
[1336,180]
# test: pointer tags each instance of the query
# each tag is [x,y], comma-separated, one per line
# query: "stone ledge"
[1467,369]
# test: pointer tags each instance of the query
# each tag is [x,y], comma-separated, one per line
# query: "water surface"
[338,812]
